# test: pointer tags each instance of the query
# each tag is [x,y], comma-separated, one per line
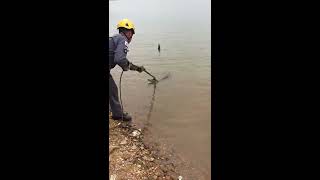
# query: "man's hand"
[136,68]
[140,69]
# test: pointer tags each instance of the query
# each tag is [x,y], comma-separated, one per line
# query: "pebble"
[170,167]
[124,142]
[135,133]
[163,168]
[134,147]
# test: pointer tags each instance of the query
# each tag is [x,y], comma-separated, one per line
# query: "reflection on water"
[154,96]
[151,104]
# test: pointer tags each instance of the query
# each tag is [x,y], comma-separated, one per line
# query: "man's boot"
[126,117]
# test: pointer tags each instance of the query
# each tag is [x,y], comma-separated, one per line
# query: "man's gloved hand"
[136,68]
[140,69]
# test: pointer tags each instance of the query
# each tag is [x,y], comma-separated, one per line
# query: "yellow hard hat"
[126,23]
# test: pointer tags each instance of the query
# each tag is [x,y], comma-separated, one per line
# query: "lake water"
[181,105]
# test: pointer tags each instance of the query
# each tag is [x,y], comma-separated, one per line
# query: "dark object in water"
[152,81]
[159,47]
[155,81]
[165,77]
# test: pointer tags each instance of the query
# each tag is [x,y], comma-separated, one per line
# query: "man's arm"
[120,55]
[135,67]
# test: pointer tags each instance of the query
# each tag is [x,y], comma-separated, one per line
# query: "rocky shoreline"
[131,158]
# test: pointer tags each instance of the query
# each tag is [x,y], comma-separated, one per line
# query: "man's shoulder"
[118,38]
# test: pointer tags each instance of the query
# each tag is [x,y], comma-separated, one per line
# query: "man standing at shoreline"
[118,49]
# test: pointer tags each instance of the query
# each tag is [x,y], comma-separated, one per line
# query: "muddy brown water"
[180,117]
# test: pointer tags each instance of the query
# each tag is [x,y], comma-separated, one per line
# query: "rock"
[113,177]
[126,156]
[158,173]
[112,148]
[173,175]
[180,177]
[124,142]
[164,168]
[170,167]
[136,133]
[155,177]
[134,147]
